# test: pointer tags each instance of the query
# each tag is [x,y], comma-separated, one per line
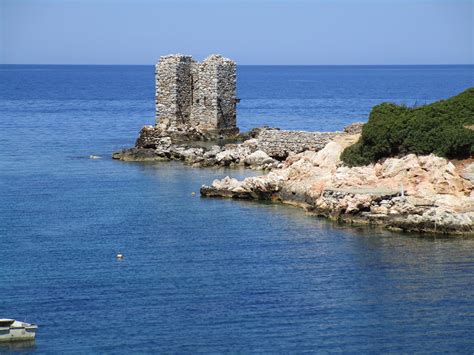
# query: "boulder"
[354,128]
[259,159]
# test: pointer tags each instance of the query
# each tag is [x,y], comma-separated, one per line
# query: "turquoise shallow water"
[208,275]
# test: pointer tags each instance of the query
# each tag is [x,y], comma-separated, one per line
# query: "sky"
[248,31]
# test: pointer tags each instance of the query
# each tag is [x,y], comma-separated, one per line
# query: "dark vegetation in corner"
[443,128]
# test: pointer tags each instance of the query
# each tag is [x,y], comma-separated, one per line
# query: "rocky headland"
[365,174]
[410,193]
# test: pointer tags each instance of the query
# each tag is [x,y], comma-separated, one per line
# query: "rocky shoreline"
[412,193]
[261,148]
[198,149]
[196,122]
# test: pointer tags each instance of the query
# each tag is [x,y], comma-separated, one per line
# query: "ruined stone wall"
[174,86]
[279,144]
[226,93]
[196,95]
[204,111]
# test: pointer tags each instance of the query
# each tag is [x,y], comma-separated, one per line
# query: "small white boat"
[13,330]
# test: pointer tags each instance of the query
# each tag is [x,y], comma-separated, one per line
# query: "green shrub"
[442,128]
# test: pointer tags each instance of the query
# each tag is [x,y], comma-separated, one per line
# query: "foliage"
[442,128]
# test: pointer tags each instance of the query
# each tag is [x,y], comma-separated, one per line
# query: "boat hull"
[18,334]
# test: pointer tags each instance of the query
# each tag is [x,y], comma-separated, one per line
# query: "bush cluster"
[443,128]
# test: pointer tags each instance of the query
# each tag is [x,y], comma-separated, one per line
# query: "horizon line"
[301,65]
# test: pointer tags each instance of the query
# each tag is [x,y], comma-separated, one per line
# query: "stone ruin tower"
[193,95]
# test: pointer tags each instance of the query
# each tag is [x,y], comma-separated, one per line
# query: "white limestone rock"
[259,159]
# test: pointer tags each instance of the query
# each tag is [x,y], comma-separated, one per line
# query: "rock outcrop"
[196,123]
[412,193]
[263,148]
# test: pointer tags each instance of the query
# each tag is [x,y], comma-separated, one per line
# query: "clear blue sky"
[249,31]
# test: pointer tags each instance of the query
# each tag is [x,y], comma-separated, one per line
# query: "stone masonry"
[192,95]
[173,90]
[280,144]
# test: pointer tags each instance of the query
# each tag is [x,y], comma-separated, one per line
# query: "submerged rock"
[136,154]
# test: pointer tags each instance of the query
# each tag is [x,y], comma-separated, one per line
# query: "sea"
[200,274]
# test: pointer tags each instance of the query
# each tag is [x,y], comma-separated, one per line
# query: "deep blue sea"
[208,275]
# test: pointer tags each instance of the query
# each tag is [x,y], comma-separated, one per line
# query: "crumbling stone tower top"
[192,95]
